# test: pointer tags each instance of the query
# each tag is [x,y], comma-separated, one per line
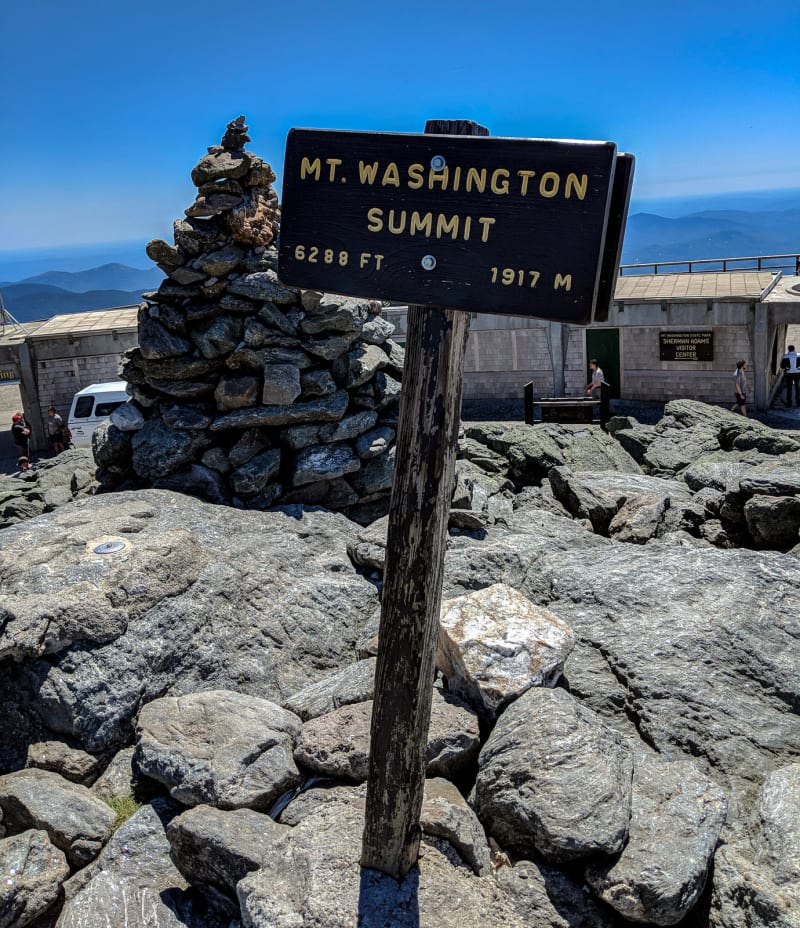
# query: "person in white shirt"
[791,375]
[598,378]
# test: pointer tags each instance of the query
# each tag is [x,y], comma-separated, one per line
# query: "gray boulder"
[772,481]
[326,409]
[262,286]
[324,462]
[311,876]
[351,684]
[532,450]
[77,822]
[546,897]
[128,417]
[158,450]
[446,814]
[676,448]
[757,879]
[602,498]
[553,779]
[281,384]
[198,597]
[135,883]
[120,779]
[219,748]
[33,871]
[70,763]
[773,521]
[677,814]
[215,848]
[338,743]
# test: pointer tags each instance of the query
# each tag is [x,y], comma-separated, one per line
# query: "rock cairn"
[244,390]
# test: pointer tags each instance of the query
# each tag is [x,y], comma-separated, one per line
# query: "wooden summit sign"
[451,220]
[495,225]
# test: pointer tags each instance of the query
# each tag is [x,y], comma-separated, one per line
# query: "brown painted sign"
[686,346]
[494,225]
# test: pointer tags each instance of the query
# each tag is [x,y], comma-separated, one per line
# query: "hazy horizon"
[19,263]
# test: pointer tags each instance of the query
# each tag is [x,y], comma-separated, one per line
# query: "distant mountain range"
[57,292]
[711,234]
[693,228]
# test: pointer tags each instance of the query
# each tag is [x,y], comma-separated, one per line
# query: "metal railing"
[750,263]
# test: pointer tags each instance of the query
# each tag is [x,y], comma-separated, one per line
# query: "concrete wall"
[504,353]
[58,379]
[646,377]
[54,368]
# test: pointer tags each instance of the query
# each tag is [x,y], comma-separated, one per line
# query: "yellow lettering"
[367,172]
[549,184]
[333,163]
[364,259]
[457,178]
[375,219]
[467,227]
[500,186]
[416,176]
[485,222]
[397,228]
[576,184]
[391,176]
[439,177]
[526,176]
[563,280]
[310,167]
[476,177]
[445,225]
[378,259]
[421,223]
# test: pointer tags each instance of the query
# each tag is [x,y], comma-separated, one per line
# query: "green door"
[603,344]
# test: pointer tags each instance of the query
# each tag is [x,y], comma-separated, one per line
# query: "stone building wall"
[244,390]
[500,362]
[59,379]
[646,377]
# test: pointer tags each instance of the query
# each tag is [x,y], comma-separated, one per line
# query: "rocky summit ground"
[186,689]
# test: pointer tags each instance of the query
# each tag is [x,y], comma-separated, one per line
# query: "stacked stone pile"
[242,389]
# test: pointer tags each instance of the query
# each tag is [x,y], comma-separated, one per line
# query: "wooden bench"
[567,409]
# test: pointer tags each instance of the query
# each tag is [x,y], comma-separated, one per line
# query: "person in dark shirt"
[21,433]
[740,384]
[790,363]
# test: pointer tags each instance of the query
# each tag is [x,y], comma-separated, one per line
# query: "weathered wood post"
[430,412]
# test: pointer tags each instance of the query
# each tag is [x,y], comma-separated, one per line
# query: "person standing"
[791,375]
[596,381]
[55,430]
[740,382]
[21,433]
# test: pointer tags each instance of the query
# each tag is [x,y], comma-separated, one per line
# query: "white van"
[91,406]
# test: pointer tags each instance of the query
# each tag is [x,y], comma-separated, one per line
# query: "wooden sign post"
[451,220]
[430,413]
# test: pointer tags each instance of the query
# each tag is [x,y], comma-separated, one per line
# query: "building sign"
[686,346]
[495,225]
[8,374]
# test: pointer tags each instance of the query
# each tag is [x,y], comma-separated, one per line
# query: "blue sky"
[106,106]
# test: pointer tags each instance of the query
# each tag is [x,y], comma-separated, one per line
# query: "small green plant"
[124,807]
